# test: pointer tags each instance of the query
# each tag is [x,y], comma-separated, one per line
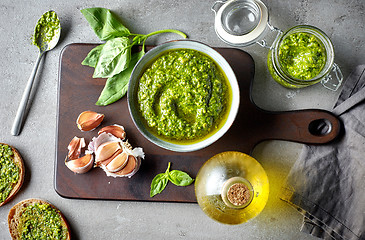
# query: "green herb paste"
[9,171]
[183,95]
[46,28]
[302,55]
[41,221]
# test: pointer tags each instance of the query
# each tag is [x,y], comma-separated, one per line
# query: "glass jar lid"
[240,22]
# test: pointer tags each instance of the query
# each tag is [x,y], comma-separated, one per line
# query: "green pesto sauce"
[9,171]
[41,221]
[46,28]
[183,95]
[302,56]
[277,78]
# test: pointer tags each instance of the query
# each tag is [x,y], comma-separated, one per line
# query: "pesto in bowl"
[183,96]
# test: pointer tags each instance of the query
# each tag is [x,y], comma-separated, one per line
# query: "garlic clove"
[129,167]
[89,120]
[81,165]
[116,130]
[107,161]
[74,148]
[118,162]
[100,139]
[126,171]
[106,150]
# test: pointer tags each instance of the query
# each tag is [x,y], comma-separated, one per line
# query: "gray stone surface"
[342,20]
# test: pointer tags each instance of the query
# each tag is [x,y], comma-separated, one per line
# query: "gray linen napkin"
[327,182]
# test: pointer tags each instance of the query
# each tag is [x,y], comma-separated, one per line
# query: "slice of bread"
[17,210]
[17,158]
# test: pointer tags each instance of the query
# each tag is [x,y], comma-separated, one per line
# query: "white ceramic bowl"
[133,88]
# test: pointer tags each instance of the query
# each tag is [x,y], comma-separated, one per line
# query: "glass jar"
[232,187]
[329,74]
[245,22]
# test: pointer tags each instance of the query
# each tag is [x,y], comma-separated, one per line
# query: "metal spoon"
[45,44]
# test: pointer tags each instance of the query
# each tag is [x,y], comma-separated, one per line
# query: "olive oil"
[232,188]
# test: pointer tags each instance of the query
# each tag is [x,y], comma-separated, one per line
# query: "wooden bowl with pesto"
[12,172]
[183,95]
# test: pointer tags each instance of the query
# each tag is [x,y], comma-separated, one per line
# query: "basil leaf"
[177,177]
[158,184]
[114,58]
[92,57]
[104,23]
[116,86]
[180,178]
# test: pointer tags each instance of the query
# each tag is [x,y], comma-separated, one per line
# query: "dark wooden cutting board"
[78,92]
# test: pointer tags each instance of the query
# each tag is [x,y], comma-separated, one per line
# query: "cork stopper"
[237,192]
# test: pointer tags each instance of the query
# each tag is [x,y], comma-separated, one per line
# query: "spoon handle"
[19,118]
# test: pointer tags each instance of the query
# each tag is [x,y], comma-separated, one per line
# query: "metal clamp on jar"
[300,57]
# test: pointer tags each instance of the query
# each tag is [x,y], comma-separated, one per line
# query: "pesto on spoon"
[46,35]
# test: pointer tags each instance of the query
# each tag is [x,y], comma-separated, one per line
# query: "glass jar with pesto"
[304,56]
[300,57]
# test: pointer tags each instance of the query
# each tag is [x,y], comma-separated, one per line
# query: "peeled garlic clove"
[106,150]
[82,164]
[115,130]
[74,148]
[118,162]
[89,120]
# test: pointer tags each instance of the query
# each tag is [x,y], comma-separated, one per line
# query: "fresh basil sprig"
[113,59]
[179,178]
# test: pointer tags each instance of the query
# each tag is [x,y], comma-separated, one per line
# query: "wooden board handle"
[311,126]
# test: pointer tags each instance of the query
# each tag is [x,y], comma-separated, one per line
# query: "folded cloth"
[327,182]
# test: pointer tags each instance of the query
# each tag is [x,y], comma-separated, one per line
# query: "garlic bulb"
[115,156]
[108,150]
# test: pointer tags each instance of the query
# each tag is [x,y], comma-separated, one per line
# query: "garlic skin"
[89,120]
[100,139]
[73,160]
[74,147]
